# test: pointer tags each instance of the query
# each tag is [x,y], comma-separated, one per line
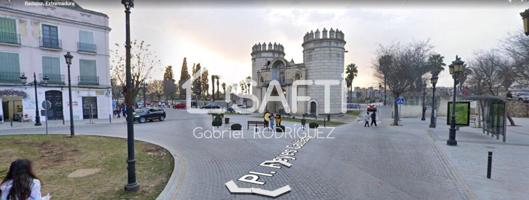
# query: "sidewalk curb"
[452,172]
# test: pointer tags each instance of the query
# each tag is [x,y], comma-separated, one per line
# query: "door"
[312,107]
[89,107]
[55,97]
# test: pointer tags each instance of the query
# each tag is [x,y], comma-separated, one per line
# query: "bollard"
[110,118]
[324,122]
[489,165]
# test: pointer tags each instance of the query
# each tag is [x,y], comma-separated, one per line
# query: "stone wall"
[518,109]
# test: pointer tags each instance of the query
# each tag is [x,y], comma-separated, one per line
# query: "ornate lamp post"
[23,78]
[68,57]
[525,18]
[132,185]
[433,119]
[456,69]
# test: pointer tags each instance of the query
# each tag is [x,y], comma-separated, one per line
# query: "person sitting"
[20,183]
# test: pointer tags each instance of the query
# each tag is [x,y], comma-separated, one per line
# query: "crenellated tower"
[323,56]
[262,55]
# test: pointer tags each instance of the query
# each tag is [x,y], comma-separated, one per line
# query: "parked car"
[523,97]
[149,114]
[180,106]
[230,110]
[211,106]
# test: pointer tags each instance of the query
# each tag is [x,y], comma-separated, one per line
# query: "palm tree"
[351,72]
[224,88]
[436,64]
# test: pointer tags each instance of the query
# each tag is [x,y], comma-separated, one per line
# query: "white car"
[523,97]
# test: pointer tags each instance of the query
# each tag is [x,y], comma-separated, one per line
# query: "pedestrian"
[124,111]
[267,119]
[366,119]
[20,183]
[272,121]
[374,118]
[278,120]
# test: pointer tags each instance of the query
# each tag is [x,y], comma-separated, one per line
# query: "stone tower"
[323,56]
[262,55]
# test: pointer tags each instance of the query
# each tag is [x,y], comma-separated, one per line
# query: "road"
[381,162]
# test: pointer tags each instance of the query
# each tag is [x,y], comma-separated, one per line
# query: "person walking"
[374,118]
[366,119]
[20,183]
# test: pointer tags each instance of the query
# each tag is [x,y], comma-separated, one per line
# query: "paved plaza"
[384,162]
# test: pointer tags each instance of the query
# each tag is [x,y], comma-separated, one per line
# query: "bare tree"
[402,68]
[143,61]
[517,48]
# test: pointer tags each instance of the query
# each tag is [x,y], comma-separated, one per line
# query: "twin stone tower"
[323,59]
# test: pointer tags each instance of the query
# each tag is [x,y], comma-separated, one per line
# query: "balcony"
[10,38]
[10,77]
[88,80]
[86,47]
[50,43]
[53,78]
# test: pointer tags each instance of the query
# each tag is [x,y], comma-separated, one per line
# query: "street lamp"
[434,79]
[68,57]
[525,17]
[23,78]
[456,69]
[132,185]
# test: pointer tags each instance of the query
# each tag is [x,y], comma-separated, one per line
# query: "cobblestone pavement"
[359,163]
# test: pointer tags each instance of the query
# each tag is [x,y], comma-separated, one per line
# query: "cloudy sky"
[220,37]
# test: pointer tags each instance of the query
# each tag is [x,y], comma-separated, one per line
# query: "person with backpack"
[20,183]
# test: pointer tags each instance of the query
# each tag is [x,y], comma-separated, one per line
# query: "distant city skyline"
[220,38]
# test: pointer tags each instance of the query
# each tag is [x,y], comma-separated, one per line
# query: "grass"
[353,113]
[56,156]
[320,122]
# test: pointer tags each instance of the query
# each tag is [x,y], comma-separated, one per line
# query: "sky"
[220,37]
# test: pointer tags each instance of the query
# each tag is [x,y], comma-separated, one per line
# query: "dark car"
[149,114]
[211,106]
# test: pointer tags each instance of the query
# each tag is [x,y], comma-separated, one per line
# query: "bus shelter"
[493,114]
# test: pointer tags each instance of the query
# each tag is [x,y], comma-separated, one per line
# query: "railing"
[10,77]
[281,82]
[53,78]
[86,47]
[9,38]
[88,80]
[50,43]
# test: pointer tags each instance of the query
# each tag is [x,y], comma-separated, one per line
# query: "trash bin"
[227,120]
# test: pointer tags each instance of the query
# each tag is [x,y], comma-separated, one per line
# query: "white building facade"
[323,59]
[33,41]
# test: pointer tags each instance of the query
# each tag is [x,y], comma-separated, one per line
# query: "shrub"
[313,125]
[236,127]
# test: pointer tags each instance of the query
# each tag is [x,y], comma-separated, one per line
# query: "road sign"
[46,104]
[400,100]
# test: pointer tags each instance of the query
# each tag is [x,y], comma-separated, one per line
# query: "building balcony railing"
[9,38]
[10,77]
[281,82]
[50,43]
[88,80]
[52,78]
[86,47]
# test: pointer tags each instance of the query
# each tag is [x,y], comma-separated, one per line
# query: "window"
[50,36]
[51,67]
[9,67]
[88,72]
[86,42]
[8,31]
